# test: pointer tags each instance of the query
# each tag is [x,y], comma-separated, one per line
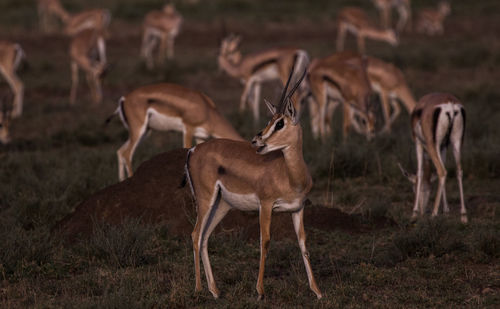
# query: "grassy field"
[61,154]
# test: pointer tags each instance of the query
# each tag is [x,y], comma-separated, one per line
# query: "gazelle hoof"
[464,219]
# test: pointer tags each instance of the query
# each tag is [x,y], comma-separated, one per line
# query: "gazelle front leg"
[341,37]
[255,101]
[298,224]
[74,82]
[446,209]
[441,171]
[244,95]
[265,213]
[361,43]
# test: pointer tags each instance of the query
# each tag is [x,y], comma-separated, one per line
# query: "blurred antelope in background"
[437,122]
[11,55]
[267,175]
[430,21]
[390,84]
[168,107]
[341,79]
[160,28]
[356,21]
[404,11]
[88,52]
[98,19]
[257,68]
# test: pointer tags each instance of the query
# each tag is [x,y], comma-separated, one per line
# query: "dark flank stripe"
[122,111]
[331,81]
[151,101]
[264,64]
[435,118]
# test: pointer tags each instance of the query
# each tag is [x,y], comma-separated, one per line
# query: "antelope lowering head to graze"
[341,78]
[48,11]
[437,121]
[256,68]
[389,82]
[266,175]
[160,29]
[90,19]
[88,52]
[356,21]
[430,21]
[404,11]
[168,107]
[11,55]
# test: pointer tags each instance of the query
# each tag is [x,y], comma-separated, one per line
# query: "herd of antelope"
[269,173]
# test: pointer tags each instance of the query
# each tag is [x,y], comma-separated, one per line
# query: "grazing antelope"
[356,21]
[256,68]
[389,82]
[167,107]
[437,121]
[159,31]
[430,21]
[88,52]
[340,78]
[404,11]
[268,174]
[11,55]
[90,19]
[48,11]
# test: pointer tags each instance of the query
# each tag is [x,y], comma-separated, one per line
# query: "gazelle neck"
[298,174]
[61,13]
[231,68]
[405,95]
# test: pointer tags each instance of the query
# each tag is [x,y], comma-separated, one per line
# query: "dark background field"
[61,154]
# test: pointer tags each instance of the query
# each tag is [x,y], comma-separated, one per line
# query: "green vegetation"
[61,154]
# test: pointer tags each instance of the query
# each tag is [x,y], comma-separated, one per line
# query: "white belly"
[287,206]
[243,202]
[267,74]
[161,122]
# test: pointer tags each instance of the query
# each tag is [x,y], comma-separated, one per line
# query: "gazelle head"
[360,91]
[427,181]
[444,8]
[169,9]
[283,130]
[230,49]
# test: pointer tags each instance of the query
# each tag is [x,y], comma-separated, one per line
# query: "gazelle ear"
[271,107]
[411,177]
[291,112]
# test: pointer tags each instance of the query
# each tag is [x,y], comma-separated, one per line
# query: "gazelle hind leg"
[418,190]
[456,141]
[218,210]
[446,208]
[298,224]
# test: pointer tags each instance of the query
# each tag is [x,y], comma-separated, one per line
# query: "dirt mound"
[156,195]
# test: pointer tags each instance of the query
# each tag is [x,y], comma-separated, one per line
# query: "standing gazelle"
[167,107]
[268,174]
[159,31]
[257,68]
[430,21]
[88,52]
[437,121]
[11,55]
[356,21]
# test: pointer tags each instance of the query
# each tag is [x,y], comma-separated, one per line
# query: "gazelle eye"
[279,125]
